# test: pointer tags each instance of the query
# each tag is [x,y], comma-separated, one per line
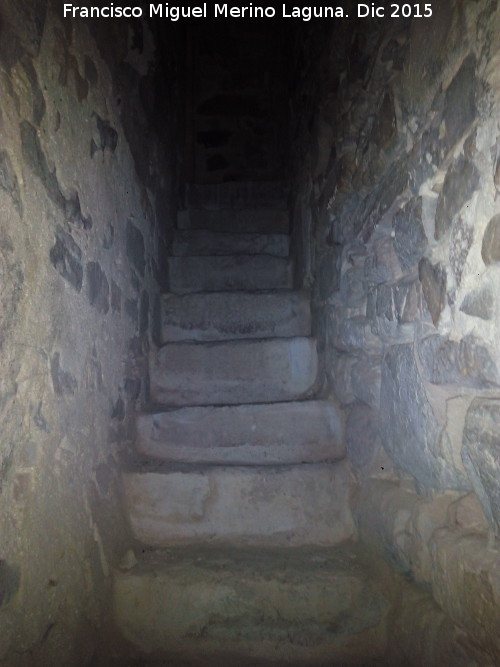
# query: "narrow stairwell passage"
[303,468]
[240,499]
[239,454]
[235,384]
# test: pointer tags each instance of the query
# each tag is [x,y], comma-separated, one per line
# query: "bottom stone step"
[256,505]
[296,606]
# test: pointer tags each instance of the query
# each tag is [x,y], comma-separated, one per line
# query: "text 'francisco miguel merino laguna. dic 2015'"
[220,11]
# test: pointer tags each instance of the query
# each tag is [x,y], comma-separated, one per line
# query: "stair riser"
[235,372]
[310,431]
[293,506]
[247,221]
[238,272]
[202,243]
[239,315]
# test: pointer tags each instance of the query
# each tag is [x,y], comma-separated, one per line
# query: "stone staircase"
[240,496]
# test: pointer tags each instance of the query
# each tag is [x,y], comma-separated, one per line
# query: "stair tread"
[228,272]
[139,465]
[302,560]
[211,316]
[249,220]
[293,432]
[207,242]
[234,372]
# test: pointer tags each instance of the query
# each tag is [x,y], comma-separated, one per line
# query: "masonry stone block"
[328,281]
[221,273]
[433,280]
[97,287]
[465,363]
[63,382]
[411,422]
[461,241]
[353,333]
[10,581]
[108,136]
[362,435]
[232,372]
[490,250]
[365,380]
[460,103]
[410,240]
[135,247]
[481,455]
[267,434]
[247,606]
[426,635]
[35,156]
[202,242]
[352,287]
[237,195]
[465,584]
[479,303]
[467,515]
[340,365]
[407,297]
[385,125]
[9,181]
[250,220]
[285,505]
[460,183]
[233,315]
[383,264]
[144,312]
[131,307]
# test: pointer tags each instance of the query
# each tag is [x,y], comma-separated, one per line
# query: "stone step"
[203,242]
[231,315]
[236,194]
[232,272]
[256,221]
[213,607]
[278,433]
[233,372]
[259,505]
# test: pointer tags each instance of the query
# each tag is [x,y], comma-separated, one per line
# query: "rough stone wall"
[83,188]
[397,228]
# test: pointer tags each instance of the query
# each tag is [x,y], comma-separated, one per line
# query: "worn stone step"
[278,433]
[282,505]
[231,272]
[233,372]
[306,606]
[236,194]
[251,220]
[215,316]
[203,242]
